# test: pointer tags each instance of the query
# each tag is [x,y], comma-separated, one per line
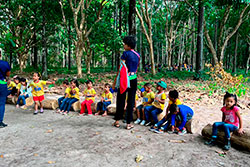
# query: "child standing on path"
[37,91]
[62,100]
[106,100]
[73,97]
[231,121]
[158,104]
[89,94]
[25,92]
[148,98]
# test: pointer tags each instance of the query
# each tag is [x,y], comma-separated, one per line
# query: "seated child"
[148,98]
[62,100]
[73,97]
[37,91]
[18,84]
[11,88]
[231,121]
[89,94]
[185,113]
[173,99]
[106,100]
[158,104]
[25,92]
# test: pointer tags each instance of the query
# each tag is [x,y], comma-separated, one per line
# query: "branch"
[195,11]
[142,24]
[64,18]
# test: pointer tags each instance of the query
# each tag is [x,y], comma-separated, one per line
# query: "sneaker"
[148,124]
[65,113]
[35,112]
[159,131]
[41,111]
[143,122]
[90,115]
[171,132]
[212,142]
[153,128]
[137,121]
[124,121]
[182,132]
[17,106]
[227,146]
[2,125]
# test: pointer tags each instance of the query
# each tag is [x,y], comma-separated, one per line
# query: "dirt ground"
[51,139]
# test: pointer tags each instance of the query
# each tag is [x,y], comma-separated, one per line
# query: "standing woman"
[126,85]
[4,71]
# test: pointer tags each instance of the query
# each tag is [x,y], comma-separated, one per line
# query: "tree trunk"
[131,18]
[35,50]
[45,68]
[69,46]
[235,53]
[199,54]
[248,60]
[79,52]
[215,39]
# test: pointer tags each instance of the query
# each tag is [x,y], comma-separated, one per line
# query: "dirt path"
[55,140]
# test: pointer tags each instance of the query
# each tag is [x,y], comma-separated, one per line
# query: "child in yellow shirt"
[89,94]
[105,100]
[62,100]
[11,88]
[158,104]
[37,91]
[148,98]
[73,97]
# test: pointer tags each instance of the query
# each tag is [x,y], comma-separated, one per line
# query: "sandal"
[129,127]
[116,124]
[104,114]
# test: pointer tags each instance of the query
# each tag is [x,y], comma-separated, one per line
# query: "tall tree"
[131,18]
[44,36]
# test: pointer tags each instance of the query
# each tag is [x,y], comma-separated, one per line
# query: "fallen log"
[50,104]
[13,100]
[238,141]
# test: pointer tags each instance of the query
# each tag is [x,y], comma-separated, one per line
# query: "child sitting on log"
[62,100]
[11,88]
[25,92]
[18,85]
[173,99]
[157,106]
[73,97]
[231,121]
[37,91]
[106,100]
[89,94]
[148,98]
[180,113]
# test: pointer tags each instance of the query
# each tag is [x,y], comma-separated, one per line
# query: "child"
[37,91]
[158,104]
[18,84]
[25,92]
[73,97]
[105,100]
[148,98]
[89,94]
[185,113]
[173,99]
[11,88]
[231,120]
[62,100]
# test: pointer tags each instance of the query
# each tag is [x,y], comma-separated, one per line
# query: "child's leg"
[18,100]
[36,107]
[215,128]
[99,107]
[60,101]
[83,107]
[70,103]
[147,111]
[143,113]
[105,105]
[41,106]
[228,128]
[64,101]
[65,105]
[88,104]
[154,113]
[162,121]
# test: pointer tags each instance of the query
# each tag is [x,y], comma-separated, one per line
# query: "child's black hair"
[130,41]
[174,94]
[17,78]
[173,108]
[22,80]
[38,74]
[107,84]
[88,81]
[148,85]
[75,81]
[66,82]
[227,95]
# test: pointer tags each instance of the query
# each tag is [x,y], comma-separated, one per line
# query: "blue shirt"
[131,60]
[4,68]
[184,111]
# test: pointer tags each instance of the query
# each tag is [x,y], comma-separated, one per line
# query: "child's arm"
[223,117]
[240,130]
[50,82]
[173,121]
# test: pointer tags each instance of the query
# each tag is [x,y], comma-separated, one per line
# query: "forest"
[85,36]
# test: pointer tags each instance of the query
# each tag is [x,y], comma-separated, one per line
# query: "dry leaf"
[51,162]
[138,136]
[1,156]
[177,141]
[49,131]
[35,155]
[138,158]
